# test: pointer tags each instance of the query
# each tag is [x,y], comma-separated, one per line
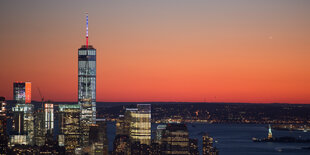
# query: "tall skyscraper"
[23,115]
[44,123]
[23,124]
[87,86]
[22,92]
[69,122]
[39,130]
[3,123]
[49,117]
[139,122]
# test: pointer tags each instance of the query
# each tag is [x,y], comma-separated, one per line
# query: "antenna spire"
[86,30]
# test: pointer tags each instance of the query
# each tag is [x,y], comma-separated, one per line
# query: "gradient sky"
[160,50]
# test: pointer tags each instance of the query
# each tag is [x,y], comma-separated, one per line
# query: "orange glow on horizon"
[241,51]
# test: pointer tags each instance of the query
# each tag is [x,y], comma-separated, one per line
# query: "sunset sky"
[160,50]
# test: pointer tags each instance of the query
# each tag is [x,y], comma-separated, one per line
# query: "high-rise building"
[23,125]
[22,92]
[207,146]
[3,127]
[44,123]
[39,130]
[98,139]
[51,146]
[139,122]
[49,117]
[87,86]
[121,128]
[175,139]
[69,122]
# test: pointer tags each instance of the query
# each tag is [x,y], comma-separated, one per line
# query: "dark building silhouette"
[155,148]
[51,146]
[175,139]
[140,149]
[98,140]
[3,127]
[39,132]
[121,145]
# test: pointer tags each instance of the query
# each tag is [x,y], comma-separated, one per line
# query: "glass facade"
[40,132]
[22,92]
[24,122]
[139,122]
[49,116]
[69,135]
[87,89]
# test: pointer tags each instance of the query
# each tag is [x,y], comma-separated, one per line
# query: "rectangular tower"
[138,120]
[22,92]
[175,139]
[49,117]
[23,124]
[3,127]
[87,87]
[69,122]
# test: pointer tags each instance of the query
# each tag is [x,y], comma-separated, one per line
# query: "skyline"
[161,51]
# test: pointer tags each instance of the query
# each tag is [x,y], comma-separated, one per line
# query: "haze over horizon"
[178,50]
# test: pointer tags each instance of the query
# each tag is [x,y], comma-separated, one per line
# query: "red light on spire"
[86,30]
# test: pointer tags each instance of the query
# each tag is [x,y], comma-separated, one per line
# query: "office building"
[175,139]
[22,92]
[121,128]
[51,146]
[23,125]
[70,132]
[44,122]
[49,117]
[98,139]
[39,130]
[87,86]
[3,127]
[138,120]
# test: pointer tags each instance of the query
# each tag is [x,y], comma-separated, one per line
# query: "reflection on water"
[236,139]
